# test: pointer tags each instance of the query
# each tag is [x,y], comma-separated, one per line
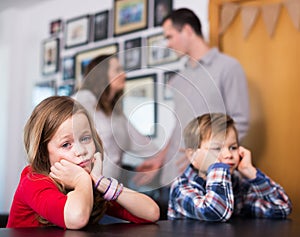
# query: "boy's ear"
[189,152]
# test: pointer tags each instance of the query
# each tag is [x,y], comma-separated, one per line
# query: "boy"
[221,180]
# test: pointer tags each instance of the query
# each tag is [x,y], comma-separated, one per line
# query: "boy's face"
[218,149]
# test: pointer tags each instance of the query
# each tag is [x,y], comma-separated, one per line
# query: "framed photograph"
[157,52]
[162,8]
[101,25]
[43,90]
[77,31]
[68,68]
[130,15]
[167,92]
[66,90]
[56,27]
[133,54]
[140,105]
[83,58]
[50,56]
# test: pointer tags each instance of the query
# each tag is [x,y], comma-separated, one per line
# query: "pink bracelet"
[107,187]
[118,192]
[109,193]
[98,182]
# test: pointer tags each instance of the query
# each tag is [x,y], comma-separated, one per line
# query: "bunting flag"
[249,16]
[293,8]
[270,14]
[228,13]
[250,13]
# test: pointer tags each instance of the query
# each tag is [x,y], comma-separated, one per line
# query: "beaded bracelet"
[118,192]
[98,182]
[109,193]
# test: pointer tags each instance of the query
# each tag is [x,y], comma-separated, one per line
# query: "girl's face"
[73,141]
[116,75]
[218,149]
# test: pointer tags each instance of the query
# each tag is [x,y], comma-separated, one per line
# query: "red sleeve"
[116,210]
[42,195]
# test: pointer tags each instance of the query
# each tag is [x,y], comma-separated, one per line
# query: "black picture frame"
[56,27]
[50,56]
[162,8]
[77,31]
[68,68]
[140,103]
[130,16]
[133,54]
[101,25]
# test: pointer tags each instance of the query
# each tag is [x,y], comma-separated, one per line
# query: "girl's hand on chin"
[97,167]
[67,173]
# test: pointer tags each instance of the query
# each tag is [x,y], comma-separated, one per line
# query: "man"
[210,82]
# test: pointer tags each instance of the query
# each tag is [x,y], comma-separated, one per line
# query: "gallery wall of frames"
[132,31]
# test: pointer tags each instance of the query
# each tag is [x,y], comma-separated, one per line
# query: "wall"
[22,31]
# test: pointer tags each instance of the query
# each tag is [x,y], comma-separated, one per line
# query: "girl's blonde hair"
[44,121]
[205,127]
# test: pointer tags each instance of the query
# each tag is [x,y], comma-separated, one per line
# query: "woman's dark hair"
[96,80]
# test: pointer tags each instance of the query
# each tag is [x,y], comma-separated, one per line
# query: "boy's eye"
[233,148]
[215,148]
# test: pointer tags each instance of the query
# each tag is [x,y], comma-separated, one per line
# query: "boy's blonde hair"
[205,127]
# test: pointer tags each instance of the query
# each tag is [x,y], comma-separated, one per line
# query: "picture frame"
[56,27]
[77,31]
[101,24]
[50,56]
[43,90]
[140,103]
[130,16]
[83,58]
[162,8]
[66,89]
[167,92]
[133,54]
[68,68]
[157,52]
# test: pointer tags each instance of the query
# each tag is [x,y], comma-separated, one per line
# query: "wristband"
[109,193]
[107,187]
[98,182]
[118,192]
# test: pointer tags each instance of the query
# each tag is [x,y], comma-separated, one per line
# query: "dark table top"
[188,228]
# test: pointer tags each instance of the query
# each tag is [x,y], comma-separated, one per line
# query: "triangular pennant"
[293,8]
[270,14]
[228,13]
[249,15]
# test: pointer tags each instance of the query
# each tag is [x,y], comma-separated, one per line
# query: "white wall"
[21,34]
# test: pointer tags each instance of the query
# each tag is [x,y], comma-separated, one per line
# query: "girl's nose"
[79,150]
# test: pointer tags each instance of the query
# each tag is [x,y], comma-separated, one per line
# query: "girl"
[63,183]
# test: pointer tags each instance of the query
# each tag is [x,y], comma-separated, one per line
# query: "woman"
[101,93]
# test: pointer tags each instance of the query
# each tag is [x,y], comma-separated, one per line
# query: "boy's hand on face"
[68,173]
[97,168]
[245,166]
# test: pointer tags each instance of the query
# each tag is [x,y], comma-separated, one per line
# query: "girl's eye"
[86,139]
[66,145]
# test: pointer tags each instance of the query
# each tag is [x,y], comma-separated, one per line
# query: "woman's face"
[116,75]
[73,141]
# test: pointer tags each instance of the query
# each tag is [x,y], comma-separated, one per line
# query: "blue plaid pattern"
[223,194]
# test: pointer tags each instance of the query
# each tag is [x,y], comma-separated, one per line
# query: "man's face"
[176,40]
